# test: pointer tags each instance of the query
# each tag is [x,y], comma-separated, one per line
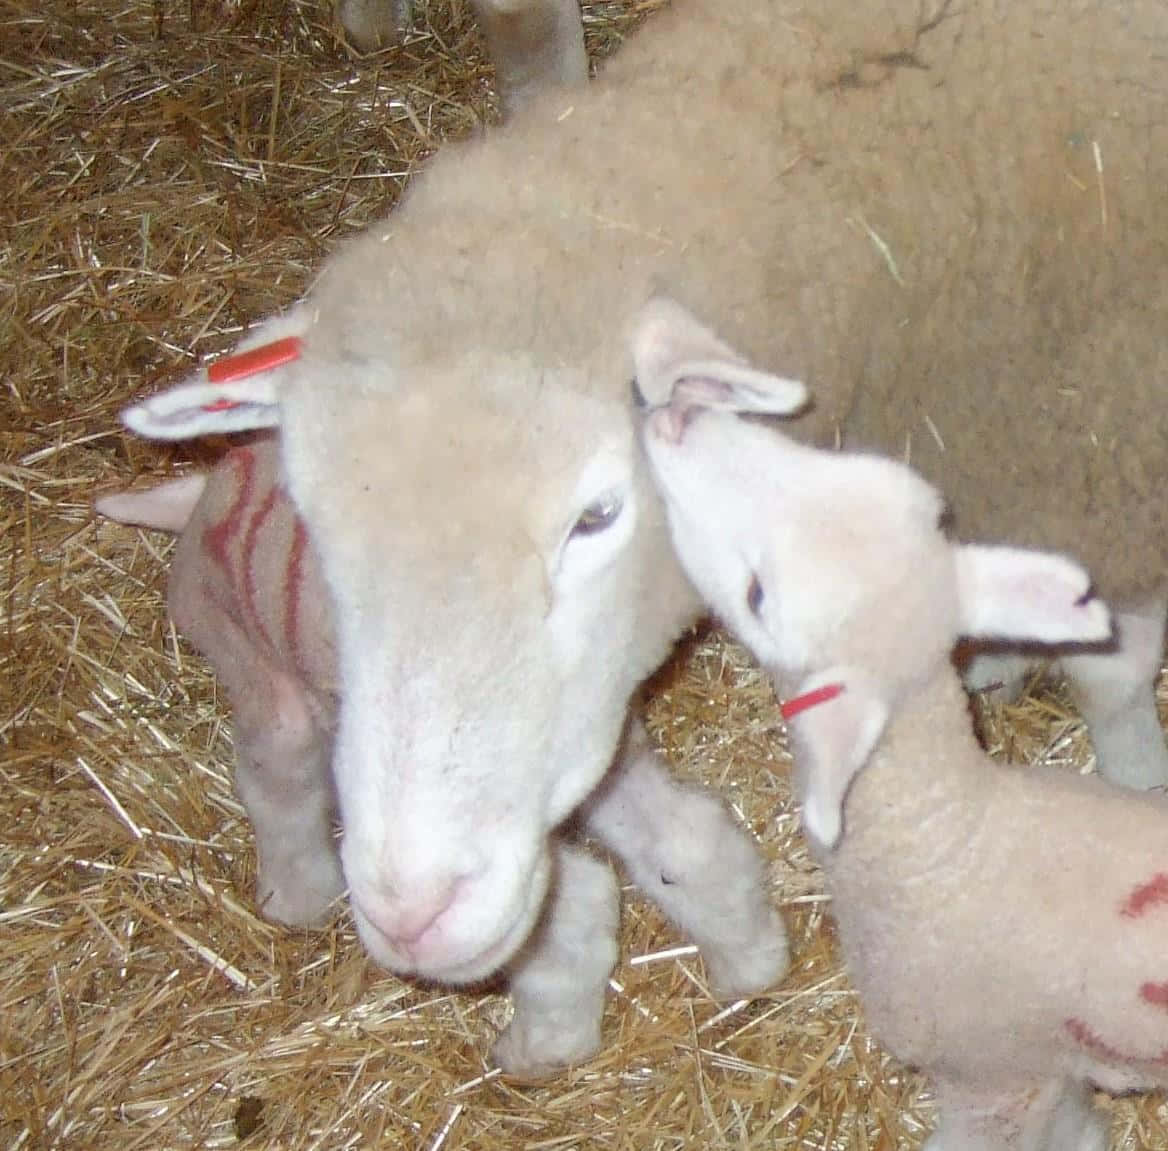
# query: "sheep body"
[1002,924]
[1006,928]
[946,221]
[246,590]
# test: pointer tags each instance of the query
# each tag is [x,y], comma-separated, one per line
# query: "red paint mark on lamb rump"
[1082,1034]
[1145,896]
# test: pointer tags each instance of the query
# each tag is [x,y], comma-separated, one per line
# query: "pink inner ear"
[252,363]
[701,390]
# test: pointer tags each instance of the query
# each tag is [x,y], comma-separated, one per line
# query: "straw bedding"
[169,175]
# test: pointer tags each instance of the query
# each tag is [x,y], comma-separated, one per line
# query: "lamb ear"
[233,394]
[833,735]
[1009,593]
[678,358]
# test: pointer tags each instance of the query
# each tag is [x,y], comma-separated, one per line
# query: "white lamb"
[1007,929]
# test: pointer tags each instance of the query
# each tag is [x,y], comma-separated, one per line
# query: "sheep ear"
[835,723]
[237,393]
[678,358]
[168,506]
[1008,593]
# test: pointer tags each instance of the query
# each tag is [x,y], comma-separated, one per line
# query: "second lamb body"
[1007,929]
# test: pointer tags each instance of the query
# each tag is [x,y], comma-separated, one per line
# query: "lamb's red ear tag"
[254,361]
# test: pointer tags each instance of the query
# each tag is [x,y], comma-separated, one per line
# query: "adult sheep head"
[501,582]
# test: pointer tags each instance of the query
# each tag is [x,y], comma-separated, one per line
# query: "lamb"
[455,431]
[247,590]
[1006,929]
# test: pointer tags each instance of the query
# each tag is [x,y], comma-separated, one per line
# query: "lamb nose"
[404,923]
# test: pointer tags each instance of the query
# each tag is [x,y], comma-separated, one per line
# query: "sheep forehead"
[803,503]
[461,464]
[865,575]
[860,521]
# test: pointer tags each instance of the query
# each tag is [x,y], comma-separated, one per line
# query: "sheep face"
[501,582]
[485,635]
[811,557]
[835,569]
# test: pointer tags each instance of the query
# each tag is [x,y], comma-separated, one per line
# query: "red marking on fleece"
[1155,993]
[293,577]
[219,538]
[792,707]
[250,540]
[252,363]
[1146,896]
[1085,1037]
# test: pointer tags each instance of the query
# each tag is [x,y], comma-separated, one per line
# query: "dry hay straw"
[169,176]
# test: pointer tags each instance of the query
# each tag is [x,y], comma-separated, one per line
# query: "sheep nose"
[406,920]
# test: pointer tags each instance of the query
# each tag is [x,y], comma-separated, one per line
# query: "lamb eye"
[754,596]
[598,516]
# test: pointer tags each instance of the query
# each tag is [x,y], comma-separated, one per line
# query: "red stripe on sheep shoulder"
[801,703]
[254,361]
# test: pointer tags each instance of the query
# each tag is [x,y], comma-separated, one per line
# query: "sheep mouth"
[458,970]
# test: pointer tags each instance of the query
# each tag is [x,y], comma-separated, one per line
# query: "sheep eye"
[598,516]
[754,596]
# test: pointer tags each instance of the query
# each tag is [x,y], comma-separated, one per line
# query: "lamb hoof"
[747,971]
[304,898]
[534,1052]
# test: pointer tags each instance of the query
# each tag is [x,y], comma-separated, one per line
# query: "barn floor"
[169,175]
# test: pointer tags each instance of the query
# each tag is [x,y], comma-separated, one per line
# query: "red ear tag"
[252,362]
[223,405]
[793,707]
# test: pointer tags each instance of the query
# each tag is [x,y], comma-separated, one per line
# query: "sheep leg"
[282,778]
[374,24]
[996,669]
[1116,695]
[534,45]
[1058,1116]
[282,773]
[559,980]
[683,849]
